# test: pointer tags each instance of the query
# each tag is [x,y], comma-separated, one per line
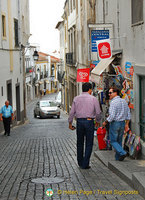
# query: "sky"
[44,16]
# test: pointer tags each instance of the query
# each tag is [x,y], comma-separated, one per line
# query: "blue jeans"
[116,131]
[85,135]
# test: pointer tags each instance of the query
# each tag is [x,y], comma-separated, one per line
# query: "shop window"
[3,26]
[137,11]
[16,32]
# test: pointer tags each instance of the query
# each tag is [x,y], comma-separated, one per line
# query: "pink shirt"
[85,106]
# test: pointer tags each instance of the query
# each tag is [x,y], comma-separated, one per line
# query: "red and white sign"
[131,71]
[83,75]
[104,49]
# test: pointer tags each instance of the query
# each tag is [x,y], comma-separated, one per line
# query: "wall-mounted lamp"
[35,55]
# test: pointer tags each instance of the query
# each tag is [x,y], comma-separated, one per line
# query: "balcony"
[70,58]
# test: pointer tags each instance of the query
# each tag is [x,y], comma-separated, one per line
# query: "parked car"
[46,108]
[58,99]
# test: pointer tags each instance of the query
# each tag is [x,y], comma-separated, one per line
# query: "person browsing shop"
[119,117]
[85,108]
[6,114]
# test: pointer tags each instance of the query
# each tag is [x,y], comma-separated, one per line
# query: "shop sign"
[83,75]
[131,71]
[92,66]
[104,49]
[98,35]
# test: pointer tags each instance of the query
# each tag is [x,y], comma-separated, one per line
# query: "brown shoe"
[121,158]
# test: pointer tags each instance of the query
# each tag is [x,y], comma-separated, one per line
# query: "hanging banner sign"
[83,75]
[98,35]
[104,49]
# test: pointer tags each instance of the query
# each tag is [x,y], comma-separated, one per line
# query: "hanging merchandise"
[130,97]
[132,144]
[127,67]
[118,70]
[127,93]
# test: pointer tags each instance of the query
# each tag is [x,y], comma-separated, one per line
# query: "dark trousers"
[7,122]
[85,136]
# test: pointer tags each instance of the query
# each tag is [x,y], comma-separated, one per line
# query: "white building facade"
[128,35]
[13,36]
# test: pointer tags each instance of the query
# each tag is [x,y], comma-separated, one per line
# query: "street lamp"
[35,55]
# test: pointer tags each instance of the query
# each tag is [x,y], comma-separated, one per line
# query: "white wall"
[17,9]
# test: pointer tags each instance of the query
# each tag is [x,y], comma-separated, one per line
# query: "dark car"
[46,108]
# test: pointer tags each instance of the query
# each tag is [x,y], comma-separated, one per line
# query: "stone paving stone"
[47,148]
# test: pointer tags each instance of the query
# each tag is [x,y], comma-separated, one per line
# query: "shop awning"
[97,71]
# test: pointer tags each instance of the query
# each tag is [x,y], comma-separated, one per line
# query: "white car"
[46,108]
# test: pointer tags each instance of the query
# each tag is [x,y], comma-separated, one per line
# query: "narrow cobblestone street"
[47,148]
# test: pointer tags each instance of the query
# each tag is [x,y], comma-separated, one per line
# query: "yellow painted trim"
[10,35]
[39,62]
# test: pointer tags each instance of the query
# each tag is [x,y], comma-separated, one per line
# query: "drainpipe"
[22,58]
[103,11]
[118,22]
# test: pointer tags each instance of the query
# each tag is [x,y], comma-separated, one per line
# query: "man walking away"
[85,108]
[6,114]
[119,117]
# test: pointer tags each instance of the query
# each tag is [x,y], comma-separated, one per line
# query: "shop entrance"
[142,107]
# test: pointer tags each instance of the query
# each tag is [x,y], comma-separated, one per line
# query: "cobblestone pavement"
[47,148]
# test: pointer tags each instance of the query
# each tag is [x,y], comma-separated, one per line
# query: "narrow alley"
[41,155]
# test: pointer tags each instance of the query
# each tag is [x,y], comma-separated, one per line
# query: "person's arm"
[126,125]
[112,112]
[12,114]
[111,116]
[71,116]
[1,117]
[1,114]
[98,112]
[71,126]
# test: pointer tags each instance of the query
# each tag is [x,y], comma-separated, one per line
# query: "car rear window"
[48,104]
